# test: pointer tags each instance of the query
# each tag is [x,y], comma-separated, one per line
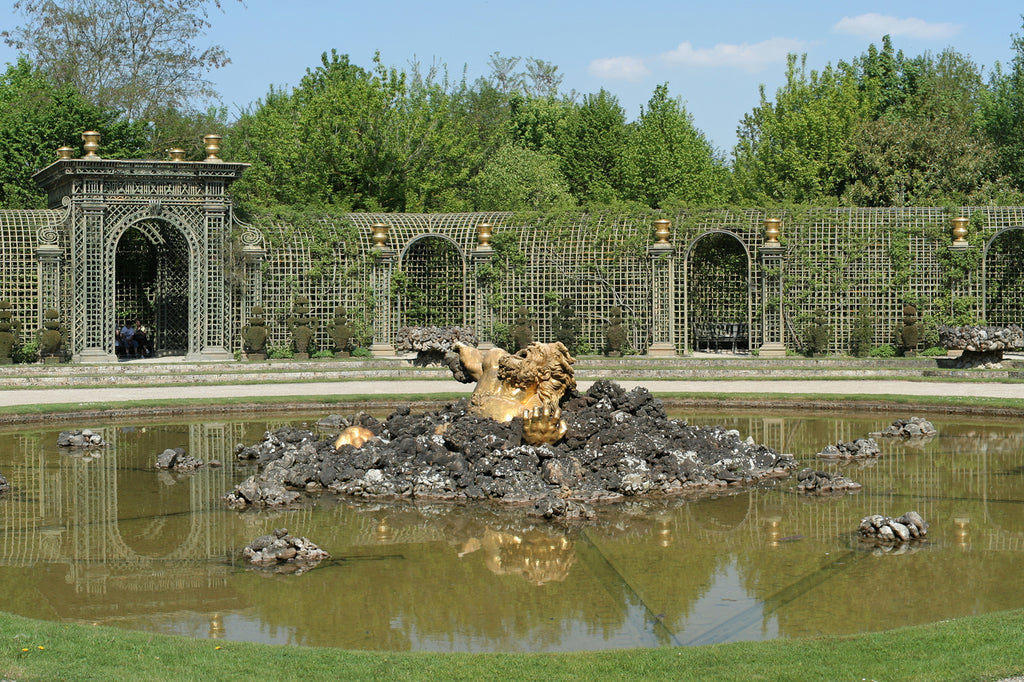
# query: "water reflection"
[105,538]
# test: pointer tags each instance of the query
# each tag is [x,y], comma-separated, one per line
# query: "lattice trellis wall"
[836,259]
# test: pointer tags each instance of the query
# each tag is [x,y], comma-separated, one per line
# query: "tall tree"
[134,56]
[37,117]
[666,157]
[520,179]
[591,148]
[1003,113]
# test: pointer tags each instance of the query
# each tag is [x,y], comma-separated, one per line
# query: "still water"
[107,539]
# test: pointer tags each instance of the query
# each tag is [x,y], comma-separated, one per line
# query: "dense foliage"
[881,129]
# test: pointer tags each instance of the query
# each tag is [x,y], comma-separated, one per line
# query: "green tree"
[520,179]
[1003,113]
[796,148]
[36,118]
[666,157]
[591,147]
[929,146]
[133,56]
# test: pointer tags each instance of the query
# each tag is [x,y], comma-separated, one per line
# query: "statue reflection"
[536,556]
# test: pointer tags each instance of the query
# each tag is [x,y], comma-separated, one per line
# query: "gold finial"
[772,230]
[484,231]
[91,144]
[65,152]
[212,143]
[380,234]
[176,154]
[662,231]
[960,233]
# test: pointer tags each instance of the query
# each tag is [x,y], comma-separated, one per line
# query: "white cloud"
[874,25]
[745,56]
[621,68]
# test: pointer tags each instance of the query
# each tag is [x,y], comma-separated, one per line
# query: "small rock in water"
[862,448]
[884,530]
[283,552]
[83,438]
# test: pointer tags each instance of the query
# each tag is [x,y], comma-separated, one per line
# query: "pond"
[107,539]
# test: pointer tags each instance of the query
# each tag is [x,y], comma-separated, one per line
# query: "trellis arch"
[1002,278]
[430,280]
[728,318]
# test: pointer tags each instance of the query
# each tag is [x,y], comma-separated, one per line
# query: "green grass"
[985,647]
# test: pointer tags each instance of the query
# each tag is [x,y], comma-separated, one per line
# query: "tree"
[591,146]
[797,147]
[929,145]
[133,56]
[666,157]
[1003,113]
[36,118]
[520,179]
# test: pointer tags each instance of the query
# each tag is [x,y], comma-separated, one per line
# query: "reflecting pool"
[105,538]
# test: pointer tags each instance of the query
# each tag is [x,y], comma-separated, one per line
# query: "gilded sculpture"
[529,384]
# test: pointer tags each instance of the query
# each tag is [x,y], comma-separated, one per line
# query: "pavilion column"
[483,288]
[663,293]
[253,256]
[772,320]
[383,268]
[50,257]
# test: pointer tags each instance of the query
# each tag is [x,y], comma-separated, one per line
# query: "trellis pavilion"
[160,241]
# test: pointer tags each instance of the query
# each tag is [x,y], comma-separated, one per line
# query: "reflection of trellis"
[1004,278]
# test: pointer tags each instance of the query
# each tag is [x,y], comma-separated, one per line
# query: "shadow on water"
[104,538]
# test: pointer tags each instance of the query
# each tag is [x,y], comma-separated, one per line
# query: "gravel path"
[842,387]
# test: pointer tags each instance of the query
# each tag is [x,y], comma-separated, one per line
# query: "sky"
[713,55]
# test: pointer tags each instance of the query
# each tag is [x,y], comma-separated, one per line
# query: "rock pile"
[83,438]
[812,482]
[4,485]
[884,530]
[283,552]
[908,429]
[981,339]
[618,444]
[431,344]
[177,460]
[862,448]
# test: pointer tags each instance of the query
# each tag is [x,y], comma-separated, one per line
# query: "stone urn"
[52,337]
[340,332]
[254,336]
[302,327]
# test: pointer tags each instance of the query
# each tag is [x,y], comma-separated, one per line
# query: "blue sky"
[713,55]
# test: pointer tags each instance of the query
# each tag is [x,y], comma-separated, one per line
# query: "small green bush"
[886,350]
[362,353]
[322,354]
[26,353]
[934,352]
[280,352]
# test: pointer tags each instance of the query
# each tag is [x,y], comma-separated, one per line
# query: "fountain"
[525,436]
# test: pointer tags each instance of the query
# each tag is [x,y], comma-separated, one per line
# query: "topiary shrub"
[817,335]
[910,333]
[863,333]
[886,350]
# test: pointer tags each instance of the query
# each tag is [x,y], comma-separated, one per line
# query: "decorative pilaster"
[50,257]
[253,256]
[772,325]
[383,267]
[663,294]
[483,287]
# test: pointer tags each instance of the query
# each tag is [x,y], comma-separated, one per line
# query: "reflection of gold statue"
[538,557]
[529,384]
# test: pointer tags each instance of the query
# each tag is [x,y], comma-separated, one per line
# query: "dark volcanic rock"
[283,552]
[619,444]
[862,448]
[811,482]
[915,427]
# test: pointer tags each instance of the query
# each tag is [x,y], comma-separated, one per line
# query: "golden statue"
[529,384]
